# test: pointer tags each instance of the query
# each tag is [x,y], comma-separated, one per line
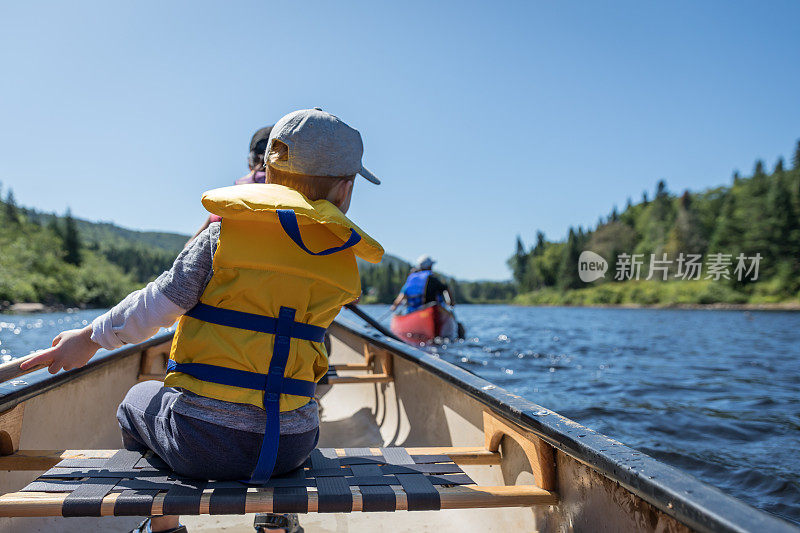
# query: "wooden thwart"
[351,366]
[376,368]
[11,429]
[338,379]
[363,378]
[459,497]
[40,460]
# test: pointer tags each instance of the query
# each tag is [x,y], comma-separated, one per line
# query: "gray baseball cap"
[425,261]
[320,144]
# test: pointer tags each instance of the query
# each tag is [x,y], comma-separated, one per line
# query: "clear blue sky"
[485,120]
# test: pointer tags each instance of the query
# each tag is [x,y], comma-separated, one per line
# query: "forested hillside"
[755,221]
[744,238]
[60,260]
[113,235]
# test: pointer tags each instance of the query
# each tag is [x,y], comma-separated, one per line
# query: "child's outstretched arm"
[140,315]
[71,349]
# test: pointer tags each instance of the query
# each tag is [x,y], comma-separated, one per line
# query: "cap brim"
[369,176]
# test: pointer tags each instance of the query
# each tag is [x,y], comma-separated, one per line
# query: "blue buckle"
[274,380]
[272,397]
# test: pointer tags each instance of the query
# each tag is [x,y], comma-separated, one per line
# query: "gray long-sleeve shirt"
[140,315]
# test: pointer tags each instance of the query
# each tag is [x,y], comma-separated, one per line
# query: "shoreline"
[783,306]
[35,307]
[24,308]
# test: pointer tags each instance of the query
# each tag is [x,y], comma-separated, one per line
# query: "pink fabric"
[252,177]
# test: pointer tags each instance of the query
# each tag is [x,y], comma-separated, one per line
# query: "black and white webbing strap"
[333,480]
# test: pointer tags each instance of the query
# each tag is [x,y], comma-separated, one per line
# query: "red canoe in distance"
[425,324]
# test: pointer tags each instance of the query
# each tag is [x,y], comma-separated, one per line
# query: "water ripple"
[710,392]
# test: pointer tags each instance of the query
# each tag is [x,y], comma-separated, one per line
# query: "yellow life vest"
[261,268]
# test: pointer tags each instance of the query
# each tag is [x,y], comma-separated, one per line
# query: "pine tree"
[686,199]
[54,227]
[758,185]
[661,190]
[796,158]
[727,228]
[686,235]
[660,217]
[12,214]
[568,270]
[779,166]
[736,177]
[758,171]
[538,249]
[519,265]
[780,220]
[72,242]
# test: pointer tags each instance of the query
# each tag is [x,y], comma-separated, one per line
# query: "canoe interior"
[601,484]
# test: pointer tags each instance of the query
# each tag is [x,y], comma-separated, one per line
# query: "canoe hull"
[424,325]
[428,402]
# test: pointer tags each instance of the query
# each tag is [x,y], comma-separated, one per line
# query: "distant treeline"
[381,283]
[59,260]
[756,216]
[64,261]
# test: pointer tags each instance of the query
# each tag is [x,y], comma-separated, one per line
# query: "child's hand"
[71,349]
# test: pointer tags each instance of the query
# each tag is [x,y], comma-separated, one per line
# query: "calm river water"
[714,393]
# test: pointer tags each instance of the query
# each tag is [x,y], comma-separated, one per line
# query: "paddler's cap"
[259,141]
[425,262]
[320,144]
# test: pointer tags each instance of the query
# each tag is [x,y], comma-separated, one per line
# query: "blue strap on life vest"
[253,322]
[240,378]
[273,384]
[414,289]
[288,220]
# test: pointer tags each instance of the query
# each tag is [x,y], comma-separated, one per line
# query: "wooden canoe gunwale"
[672,491]
[41,381]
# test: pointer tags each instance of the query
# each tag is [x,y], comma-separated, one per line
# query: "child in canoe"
[253,295]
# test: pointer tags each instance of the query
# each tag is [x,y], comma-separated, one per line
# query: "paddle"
[11,370]
[371,321]
[461,331]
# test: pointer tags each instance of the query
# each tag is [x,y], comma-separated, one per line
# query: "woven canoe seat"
[332,480]
[331,377]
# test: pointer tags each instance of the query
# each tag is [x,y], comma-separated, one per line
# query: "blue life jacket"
[414,289]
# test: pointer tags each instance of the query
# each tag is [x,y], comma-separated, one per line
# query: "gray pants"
[196,448]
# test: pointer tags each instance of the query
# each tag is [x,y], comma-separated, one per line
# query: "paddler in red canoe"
[429,307]
[423,287]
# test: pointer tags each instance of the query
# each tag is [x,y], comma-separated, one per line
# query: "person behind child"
[254,294]
[422,287]
[257,174]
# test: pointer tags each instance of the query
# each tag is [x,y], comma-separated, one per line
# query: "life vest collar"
[261,202]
